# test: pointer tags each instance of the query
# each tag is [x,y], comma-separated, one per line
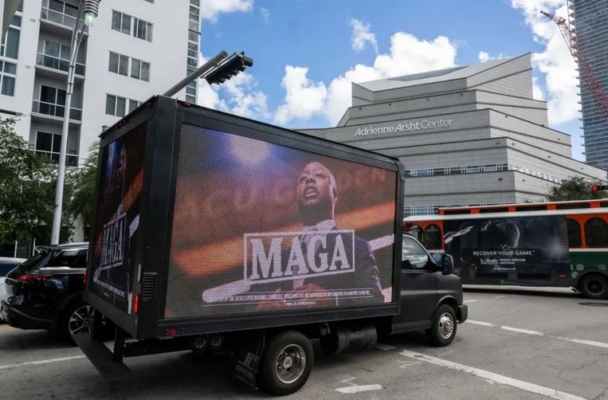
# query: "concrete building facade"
[470,135]
[591,23]
[135,49]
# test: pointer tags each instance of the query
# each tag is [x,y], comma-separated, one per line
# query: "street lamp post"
[87,12]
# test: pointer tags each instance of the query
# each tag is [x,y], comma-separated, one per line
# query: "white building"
[135,49]
[469,135]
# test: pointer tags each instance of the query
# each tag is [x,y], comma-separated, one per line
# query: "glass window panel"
[133,104]
[145,71]
[64,53]
[44,141]
[48,94]
[140,28]
[61,97]
[110,105]
[116,18]
[12,43]
[113,65]
[135,68]
[126,24]
[121,105]
[10,68]
[148,32]
[56,143]
[16,20]
[71,10]
[56,6]
[123,65]
[8,86]
[51,49]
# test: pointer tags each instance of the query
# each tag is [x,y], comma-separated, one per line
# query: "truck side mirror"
[447,264]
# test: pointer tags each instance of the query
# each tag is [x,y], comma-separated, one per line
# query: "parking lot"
[518,344]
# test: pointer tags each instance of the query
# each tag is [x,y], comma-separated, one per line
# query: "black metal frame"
[165,117]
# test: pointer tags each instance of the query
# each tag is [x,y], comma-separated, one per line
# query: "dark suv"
[45,292]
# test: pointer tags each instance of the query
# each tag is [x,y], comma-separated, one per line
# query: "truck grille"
[148,286]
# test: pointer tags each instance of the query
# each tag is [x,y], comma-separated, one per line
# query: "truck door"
[418,287]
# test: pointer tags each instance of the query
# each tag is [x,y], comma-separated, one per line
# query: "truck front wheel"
[287,363]
[443,330]
[594,286]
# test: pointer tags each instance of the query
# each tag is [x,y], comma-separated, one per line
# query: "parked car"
[6,264]
[45,291]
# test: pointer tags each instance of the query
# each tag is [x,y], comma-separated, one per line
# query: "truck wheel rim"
[81,321]
[446,326]
[595,286]
[290,363]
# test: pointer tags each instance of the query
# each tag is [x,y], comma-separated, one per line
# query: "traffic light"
[236,64]
[598,188]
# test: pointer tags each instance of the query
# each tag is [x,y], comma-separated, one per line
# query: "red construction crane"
[584,67]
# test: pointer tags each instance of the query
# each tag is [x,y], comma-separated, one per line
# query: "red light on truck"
[33,278]
[136,305]
[171,332]
[84,278]
[563,276]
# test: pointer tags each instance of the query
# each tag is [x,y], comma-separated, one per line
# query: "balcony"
[59,23]
[58,64]
[55,111]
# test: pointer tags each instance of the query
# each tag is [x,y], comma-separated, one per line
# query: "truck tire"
[76,317]
[594,286]
[443,330]
[286,363]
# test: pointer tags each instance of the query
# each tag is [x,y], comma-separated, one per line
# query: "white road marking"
[470,321]
[49,361]
[491,376]
[358,388]
[537,333]
[526,331]
[470,301]
[385,347]
[500,297]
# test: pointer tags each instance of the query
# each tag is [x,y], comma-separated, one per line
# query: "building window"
[8,72]
[10,44]
[121,22]
[131,26]
[49,145]
[142,30]
[117,106]
[140,70]
[59,12]
[119,64]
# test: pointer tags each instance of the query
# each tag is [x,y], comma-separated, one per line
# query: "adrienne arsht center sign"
[404,127]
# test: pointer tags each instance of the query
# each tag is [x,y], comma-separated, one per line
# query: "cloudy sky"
[307,52]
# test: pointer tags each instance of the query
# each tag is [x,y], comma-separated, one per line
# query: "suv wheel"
[75,319]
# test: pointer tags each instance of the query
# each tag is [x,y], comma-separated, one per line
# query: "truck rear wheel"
[287,363]
[594,286]
[443,330]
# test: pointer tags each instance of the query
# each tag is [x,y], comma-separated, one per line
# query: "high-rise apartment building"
[135,49]
[591,27]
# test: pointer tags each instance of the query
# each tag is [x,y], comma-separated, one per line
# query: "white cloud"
[408,54]
[265,14]
[555,62]
[537,92]
[303,97]
[361,35]
[237,96]
[484,57]
[211,9]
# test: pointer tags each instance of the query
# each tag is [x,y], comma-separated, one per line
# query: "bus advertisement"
[558,247]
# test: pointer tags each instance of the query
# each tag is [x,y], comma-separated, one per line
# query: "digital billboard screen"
[264,227]
[117,219]
[534,245]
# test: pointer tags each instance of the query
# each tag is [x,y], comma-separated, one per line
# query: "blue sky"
[307,52]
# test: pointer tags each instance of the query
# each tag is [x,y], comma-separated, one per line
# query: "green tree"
[27,190]
[574,188]
[83,181]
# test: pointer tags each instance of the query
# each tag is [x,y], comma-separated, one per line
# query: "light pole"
[89,9]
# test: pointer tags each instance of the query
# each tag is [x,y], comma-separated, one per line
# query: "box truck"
[217,233]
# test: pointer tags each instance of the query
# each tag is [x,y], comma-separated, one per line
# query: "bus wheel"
[287,363]
[594,286]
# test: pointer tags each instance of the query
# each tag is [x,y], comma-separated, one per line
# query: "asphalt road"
[518,344]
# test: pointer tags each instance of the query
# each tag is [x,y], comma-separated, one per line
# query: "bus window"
[456,212]
[432,237]
[416,232]
[537,234]
[596,232]
[531,208]
[572,206]
[603,203]
[574,233]
[493,210]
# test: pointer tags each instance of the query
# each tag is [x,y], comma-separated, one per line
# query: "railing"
[59,64]
[57,17]
[56,110]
